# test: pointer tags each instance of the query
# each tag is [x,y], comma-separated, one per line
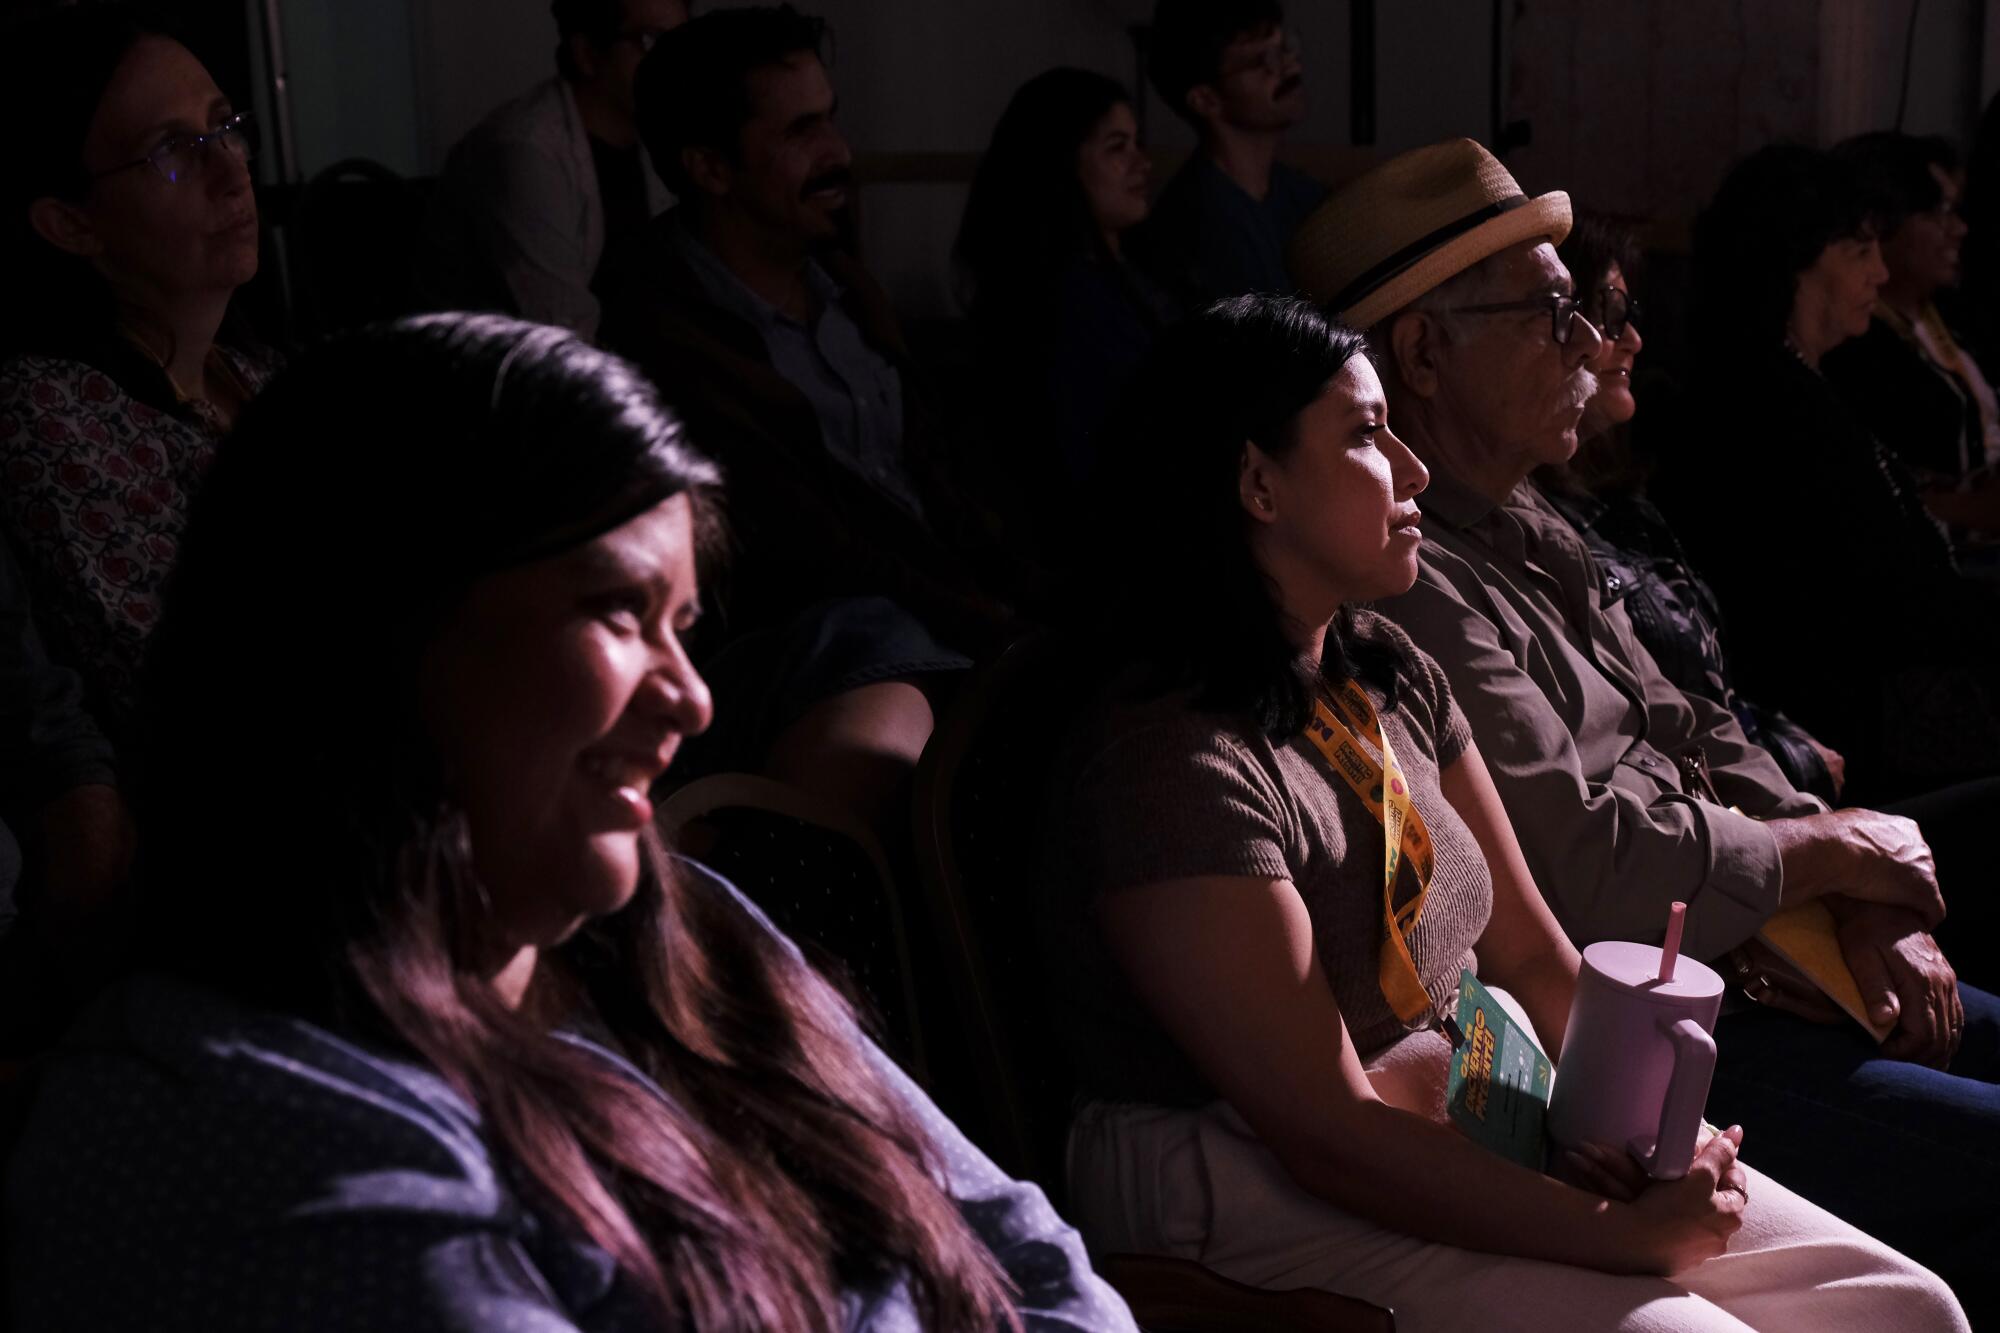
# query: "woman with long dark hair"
[436,1034]
[1063,318]
[1257,1036]
[130,224]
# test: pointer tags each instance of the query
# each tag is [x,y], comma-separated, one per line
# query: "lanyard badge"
[1339,721]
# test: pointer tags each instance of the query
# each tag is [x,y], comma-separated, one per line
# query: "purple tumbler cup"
[1638,1055]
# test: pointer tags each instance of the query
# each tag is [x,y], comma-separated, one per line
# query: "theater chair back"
[822,879]
[980,792]
[978,807]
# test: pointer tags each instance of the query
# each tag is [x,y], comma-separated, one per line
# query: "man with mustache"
[1231,70]
[1627,794]
[784,358]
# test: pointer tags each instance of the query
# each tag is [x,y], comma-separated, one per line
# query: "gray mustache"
[1582,388]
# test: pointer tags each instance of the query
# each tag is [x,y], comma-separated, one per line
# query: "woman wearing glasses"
[132,224]
[1602,493]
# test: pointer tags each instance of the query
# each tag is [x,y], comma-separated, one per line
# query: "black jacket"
[1841,592]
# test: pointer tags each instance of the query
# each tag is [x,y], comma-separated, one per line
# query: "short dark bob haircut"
[1775,213]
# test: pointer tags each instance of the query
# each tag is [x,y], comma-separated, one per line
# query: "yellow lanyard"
[1384,790]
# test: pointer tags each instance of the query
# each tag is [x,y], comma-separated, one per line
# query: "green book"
[1500,1080]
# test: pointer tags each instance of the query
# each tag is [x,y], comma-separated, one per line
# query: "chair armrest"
[1180,1296]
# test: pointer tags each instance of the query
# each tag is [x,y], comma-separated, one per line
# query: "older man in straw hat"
[1628,795]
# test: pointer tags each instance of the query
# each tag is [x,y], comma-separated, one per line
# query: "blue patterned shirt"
[190,1164]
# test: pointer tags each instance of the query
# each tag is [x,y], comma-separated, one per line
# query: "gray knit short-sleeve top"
[1157,791]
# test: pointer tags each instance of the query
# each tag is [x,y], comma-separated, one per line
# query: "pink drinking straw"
[1676,919]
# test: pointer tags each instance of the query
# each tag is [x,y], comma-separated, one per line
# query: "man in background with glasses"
[1231,69]
[532,197]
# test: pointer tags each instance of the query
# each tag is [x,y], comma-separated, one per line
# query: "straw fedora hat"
[1421,217]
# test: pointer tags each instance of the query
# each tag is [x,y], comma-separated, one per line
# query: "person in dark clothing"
[1063,319]
[1601,491]
[531,199]
[852,593]
[1231,70]
[1909,379]
[1812,530]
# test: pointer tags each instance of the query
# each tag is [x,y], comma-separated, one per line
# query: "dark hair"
[1773,216]
[1027,216]
[1596,242]
[330,540]
[1609,461]
[1188,41]
[596,19]
[1173,597]
[1892,171]
[58,65]
[693,87]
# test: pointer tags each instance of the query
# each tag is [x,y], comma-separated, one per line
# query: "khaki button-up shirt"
[1584,736]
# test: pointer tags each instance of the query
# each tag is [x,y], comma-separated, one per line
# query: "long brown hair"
[359,498]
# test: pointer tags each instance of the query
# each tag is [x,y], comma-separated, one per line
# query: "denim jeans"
[1908,1154]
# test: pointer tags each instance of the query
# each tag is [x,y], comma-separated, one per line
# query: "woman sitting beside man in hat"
[1602,492]
[1259,1052]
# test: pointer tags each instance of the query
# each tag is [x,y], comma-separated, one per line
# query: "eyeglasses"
[1271,59]
[643,38]
[1620,311]
[1946,210]
[1563,310]
[180,157]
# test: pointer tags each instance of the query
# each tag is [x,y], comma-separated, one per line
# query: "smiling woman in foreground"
[437,1036]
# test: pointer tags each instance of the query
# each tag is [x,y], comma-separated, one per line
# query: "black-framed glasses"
[180,158]
[1563,312]
[643,38]
[1619,311]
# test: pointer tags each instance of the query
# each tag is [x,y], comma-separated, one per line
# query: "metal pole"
[284,146]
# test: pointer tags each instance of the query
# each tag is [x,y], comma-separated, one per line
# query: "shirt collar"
[728,291]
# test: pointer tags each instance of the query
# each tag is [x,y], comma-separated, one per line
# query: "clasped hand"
[1903,977]
[1674,1224]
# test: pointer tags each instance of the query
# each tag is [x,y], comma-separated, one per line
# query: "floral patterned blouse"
[94,490]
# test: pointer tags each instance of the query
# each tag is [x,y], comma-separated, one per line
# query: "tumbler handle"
[1670,1155]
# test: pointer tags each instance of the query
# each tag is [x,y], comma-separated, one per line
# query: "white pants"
[1199,1185]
